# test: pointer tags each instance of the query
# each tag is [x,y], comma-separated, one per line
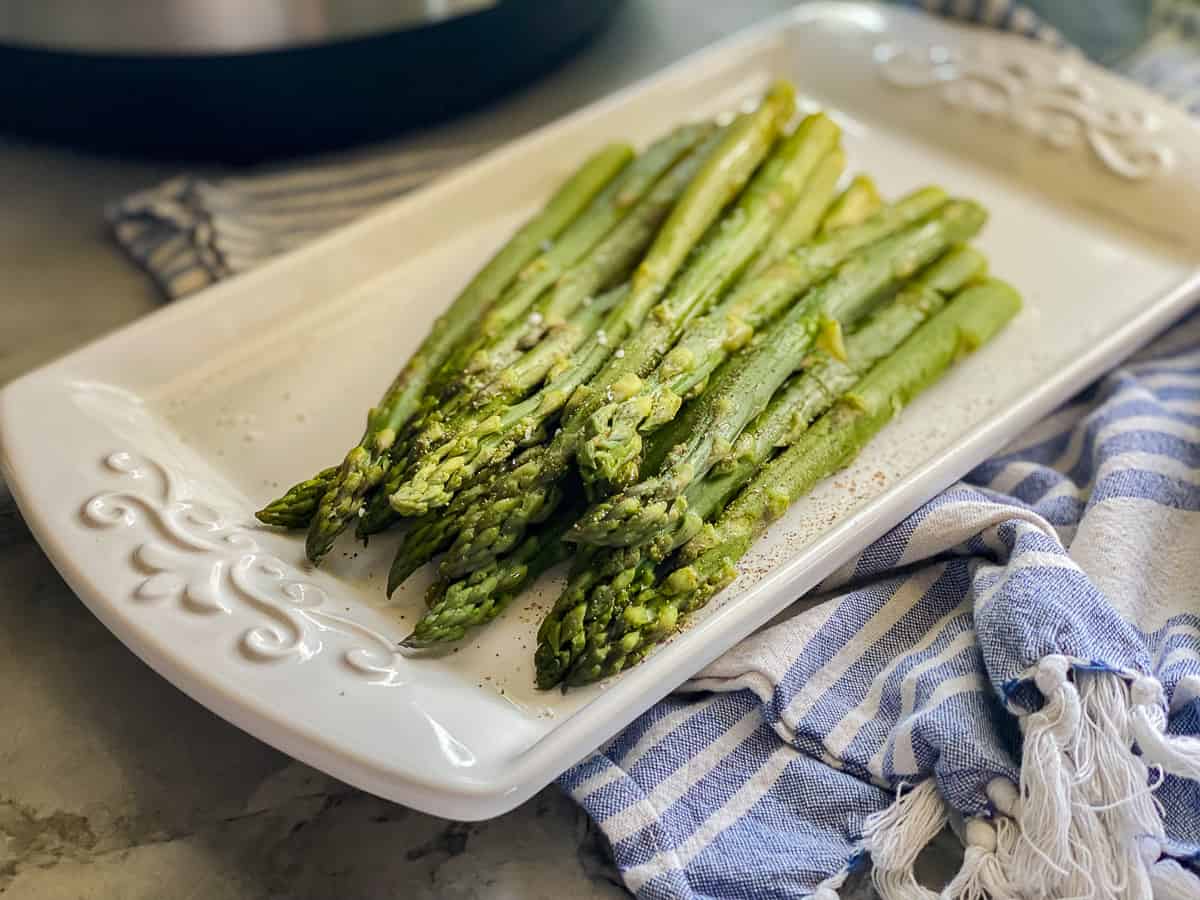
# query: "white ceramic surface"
[137,461]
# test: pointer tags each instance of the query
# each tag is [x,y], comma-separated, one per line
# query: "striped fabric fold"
[190,232]
[1018,660]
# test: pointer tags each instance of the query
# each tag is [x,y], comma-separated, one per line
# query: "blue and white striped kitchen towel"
[1020,659]
[992,663]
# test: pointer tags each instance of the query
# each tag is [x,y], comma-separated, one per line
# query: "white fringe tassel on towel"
[987,858]
[895,838]
[1090,827]
[1083,824]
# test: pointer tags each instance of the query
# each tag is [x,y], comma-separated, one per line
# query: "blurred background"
[237,82]
[242,82]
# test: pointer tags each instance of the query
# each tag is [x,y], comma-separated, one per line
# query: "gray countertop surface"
[112,783]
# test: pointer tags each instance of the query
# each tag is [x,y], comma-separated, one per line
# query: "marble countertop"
[115,785]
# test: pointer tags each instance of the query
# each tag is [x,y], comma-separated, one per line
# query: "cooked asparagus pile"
[676,347]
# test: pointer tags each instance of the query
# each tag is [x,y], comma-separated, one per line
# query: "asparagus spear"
[826,377]
[295,508]
[486,526]
[603,580]
[608,458]
[498,335]
[363,466]
[614,257]
[579,621]
[747,386]
[600,217]
[805,216]
[708,562]
[658,159]
[610,260]
[485,593]
[721,178]
[859,200]
[429,535]
[551,353]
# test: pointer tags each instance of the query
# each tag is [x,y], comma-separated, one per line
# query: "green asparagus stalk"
[496,340]
[718,263]
[603,581]
[722,176]
[604,212]
[435,531]
[826,377]
[859,200]
[708,562]
[429,535]
[295,508]
[486,527]
[747,386]
[624,249]
[364,465]
[481,596]
[613,258]
[608,457]
[804,219]
[553,352]
[577,626]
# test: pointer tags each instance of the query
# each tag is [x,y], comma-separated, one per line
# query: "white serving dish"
[137,461]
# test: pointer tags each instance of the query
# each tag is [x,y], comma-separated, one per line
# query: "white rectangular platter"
[138,460]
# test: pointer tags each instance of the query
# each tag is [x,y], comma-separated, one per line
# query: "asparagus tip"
[412,642]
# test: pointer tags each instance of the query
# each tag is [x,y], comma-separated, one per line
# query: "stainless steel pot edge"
[198,27]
